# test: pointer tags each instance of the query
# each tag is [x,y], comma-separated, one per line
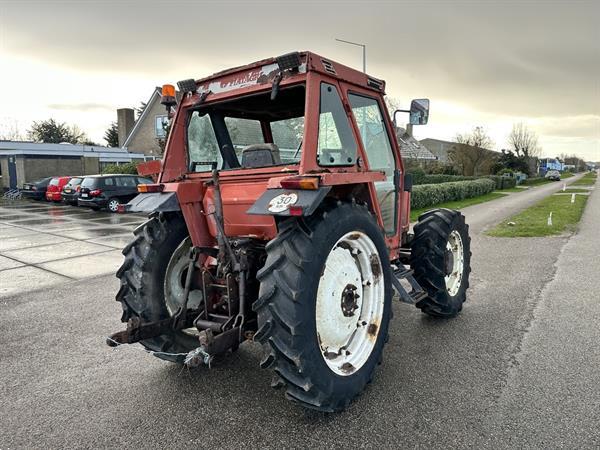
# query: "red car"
[55,187]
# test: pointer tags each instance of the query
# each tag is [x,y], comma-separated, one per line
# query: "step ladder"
[416,292]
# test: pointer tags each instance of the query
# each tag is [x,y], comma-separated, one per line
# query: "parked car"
[108,191]
[553,175]
[36,189]
[55,187]
[70,191]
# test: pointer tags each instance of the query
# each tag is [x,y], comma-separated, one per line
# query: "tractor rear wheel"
[150,273]
[441,260]
[324,305]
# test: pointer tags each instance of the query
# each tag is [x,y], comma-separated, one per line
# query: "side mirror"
[419,111]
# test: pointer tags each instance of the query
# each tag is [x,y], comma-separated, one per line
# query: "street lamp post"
[364,51]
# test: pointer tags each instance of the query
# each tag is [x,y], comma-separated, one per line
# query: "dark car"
[108,191]
[70,191]
[36,189]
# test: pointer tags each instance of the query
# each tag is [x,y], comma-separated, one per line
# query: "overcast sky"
[488,63]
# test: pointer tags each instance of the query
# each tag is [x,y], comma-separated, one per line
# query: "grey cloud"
[533,58]
[82,107]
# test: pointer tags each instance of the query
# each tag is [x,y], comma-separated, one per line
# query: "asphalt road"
[518,368]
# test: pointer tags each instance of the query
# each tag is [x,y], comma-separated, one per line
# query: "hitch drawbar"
[416,292]
[210,344]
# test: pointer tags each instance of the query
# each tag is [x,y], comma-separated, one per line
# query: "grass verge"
[588,179]
[458,204]
[514,189]
[566,175]
[574,191]
[533,221]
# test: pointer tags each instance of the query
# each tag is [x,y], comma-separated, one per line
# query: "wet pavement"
[44,244]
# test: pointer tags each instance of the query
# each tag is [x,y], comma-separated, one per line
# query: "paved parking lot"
[45,244]
[517,369]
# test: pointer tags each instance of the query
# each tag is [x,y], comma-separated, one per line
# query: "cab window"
[336,146]
[203,149]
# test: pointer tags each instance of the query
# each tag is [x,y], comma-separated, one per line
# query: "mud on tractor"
[280,214]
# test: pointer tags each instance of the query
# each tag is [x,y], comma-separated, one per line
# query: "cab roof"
[264,71]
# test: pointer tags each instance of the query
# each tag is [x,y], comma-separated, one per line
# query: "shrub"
[426,195]
[505,172]
[503,182]
[128,169]
[439,178]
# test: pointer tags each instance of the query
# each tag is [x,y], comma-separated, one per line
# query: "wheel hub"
[349,297]
[454,263]
[349,306]
[448,262]
[175,277]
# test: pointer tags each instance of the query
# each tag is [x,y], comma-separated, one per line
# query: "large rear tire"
[324,305]
[441,260]
[142,275]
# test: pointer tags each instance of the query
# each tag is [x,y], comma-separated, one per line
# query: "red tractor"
[281,215]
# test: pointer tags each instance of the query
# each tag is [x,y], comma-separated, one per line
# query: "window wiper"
[275,86]
[298,149]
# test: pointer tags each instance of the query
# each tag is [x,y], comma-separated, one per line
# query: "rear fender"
[277,202]
[155,201]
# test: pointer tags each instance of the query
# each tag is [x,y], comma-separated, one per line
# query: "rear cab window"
[249,131]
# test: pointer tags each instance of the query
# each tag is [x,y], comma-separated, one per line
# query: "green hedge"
[127,168]
[501,182]
[426,195]
[438,178]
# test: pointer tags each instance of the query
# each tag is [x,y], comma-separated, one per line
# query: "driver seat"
[260,155]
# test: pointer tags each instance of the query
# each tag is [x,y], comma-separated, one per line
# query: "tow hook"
[197,357]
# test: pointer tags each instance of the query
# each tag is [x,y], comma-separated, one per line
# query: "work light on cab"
[168,96]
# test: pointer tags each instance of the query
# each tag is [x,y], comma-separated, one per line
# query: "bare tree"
[10,131]
[471,154]
[524,141]
[476,138]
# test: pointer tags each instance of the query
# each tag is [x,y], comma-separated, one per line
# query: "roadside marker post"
[572,198]
[550,219]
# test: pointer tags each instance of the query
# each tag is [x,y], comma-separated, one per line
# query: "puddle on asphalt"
[4,218]
[33,222]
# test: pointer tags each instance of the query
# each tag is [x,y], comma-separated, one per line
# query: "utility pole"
[364,51]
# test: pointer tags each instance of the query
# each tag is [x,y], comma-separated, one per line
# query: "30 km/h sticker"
[282,202]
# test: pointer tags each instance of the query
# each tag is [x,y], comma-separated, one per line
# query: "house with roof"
[147,134]
[22,162]
[411,148]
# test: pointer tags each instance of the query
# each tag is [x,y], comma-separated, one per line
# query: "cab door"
[368,114]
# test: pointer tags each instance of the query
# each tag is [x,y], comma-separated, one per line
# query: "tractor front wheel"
[324,305]
[441,260]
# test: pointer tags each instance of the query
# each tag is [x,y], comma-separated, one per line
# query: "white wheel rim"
[175,283]
[454,247]
[347,319]
[113,205]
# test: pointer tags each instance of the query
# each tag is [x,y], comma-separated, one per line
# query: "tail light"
[78,189]
[296,210]
[33,188]
[95,192]
[309,183]
[147,188]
